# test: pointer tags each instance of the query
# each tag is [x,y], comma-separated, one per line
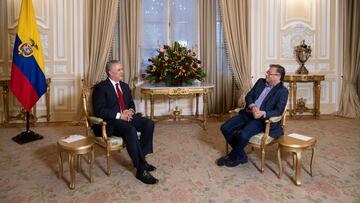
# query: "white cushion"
[256,139]
[114,141]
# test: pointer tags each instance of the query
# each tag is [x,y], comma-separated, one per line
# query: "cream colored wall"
[279,25]
[60,24]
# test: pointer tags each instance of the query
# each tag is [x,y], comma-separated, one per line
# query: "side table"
[296,147]
[298,105]
[74,149]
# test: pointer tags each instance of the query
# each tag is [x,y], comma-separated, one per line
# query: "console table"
[299,105]
[176,92]
[21,116]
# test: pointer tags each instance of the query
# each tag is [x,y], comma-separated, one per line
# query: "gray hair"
[109,65]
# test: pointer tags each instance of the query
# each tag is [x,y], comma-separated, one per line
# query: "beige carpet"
[185,155]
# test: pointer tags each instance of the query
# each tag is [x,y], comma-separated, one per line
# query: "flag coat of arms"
[28,80]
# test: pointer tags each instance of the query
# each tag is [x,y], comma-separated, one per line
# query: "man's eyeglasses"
[272,74]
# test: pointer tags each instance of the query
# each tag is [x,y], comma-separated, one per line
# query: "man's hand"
[130,114]
[254,109]
[256,112]
[127,115]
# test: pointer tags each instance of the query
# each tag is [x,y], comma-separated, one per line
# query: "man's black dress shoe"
[145,177]
[222,160]
[233,163]
[149,167]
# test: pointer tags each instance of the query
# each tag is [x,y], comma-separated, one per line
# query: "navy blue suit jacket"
[274,103]
[106,103]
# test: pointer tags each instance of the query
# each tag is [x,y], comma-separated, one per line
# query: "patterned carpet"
[185,156]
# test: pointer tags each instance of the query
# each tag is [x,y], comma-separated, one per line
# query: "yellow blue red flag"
[28,80]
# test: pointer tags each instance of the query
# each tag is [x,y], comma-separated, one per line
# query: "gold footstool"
[296,146]
[75,147]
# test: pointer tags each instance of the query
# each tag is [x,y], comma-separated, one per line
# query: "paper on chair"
[300,137]
[73,138]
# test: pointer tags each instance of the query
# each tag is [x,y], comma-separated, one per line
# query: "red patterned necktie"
[120,97]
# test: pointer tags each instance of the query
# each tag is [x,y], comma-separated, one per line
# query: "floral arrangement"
[175,65]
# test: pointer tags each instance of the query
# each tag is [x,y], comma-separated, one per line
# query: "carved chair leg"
[91,156]
[108,162]
[262,159]
[279,162]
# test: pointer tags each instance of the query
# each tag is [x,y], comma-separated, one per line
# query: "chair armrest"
[268,121]
[274,119]
[235,111]
[99,121]
[96,120]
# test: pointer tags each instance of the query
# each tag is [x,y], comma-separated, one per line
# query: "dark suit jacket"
[274,103]
[106,104]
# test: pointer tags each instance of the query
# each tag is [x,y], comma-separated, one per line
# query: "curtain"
[214,58]
[349,101]
[207,52]
[126,40]
[235,16]
[99,23]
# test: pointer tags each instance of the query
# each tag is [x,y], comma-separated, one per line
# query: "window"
[166,21]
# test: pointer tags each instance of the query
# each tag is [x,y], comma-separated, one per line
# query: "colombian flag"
[28,81]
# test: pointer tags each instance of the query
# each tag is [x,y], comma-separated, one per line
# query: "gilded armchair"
[262,140]
[106,142]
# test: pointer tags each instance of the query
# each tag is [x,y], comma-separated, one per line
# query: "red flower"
[174,65]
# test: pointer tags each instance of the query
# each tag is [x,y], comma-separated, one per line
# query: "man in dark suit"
[112,101]
[266,99]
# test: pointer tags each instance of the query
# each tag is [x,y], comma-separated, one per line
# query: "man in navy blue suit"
[112,101]
[266,99]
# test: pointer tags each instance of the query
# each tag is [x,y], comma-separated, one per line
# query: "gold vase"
[302,54]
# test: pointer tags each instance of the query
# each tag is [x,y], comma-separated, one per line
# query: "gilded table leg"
[298,168]
[317,90]
[312,160]
[197,105]
[279,162]
[5,94]
[291,89]
[152,107]
[294,160]
[72,170]
[91,163]
[204,110]
[60,163]
[47,99]
[294,98]
[78,162]
[34,110]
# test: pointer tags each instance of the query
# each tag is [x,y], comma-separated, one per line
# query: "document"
[73,138]
[300,137]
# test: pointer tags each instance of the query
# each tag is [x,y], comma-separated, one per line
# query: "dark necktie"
[120,97]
